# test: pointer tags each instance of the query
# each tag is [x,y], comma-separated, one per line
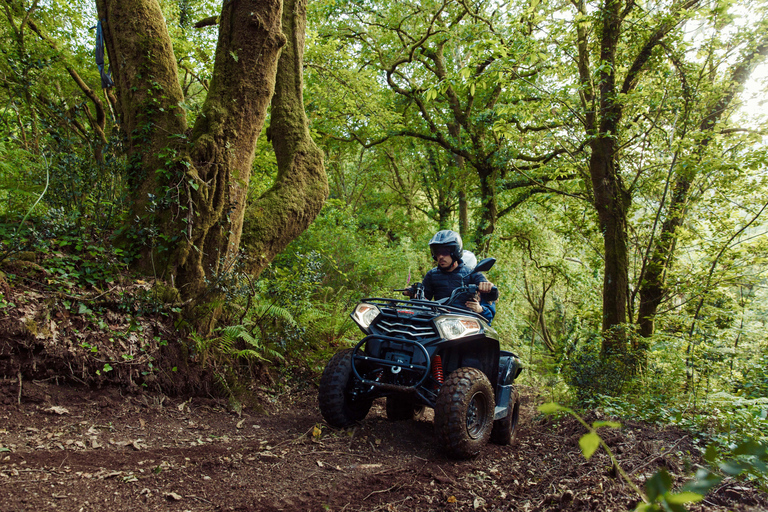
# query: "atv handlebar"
[463,293]
[415,291]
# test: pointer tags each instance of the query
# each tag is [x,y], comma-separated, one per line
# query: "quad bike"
[419,353]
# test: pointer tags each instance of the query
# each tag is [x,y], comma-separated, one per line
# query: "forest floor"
[87,449]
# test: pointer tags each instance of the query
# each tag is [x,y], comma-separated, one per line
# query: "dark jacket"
[439,284]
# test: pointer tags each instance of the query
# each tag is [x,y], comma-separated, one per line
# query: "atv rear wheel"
[464,413]
[401,408]
[505,429]
[335,394]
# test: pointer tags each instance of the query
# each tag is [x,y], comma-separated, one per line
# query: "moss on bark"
[301,186]
[190,187]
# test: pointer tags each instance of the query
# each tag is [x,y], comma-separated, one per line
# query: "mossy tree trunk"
[301,187]
[190,186]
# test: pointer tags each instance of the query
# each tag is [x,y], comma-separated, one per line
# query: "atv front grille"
[404,324]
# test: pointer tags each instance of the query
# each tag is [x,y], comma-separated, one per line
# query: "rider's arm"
[482,283]
[489,311]
[429,292]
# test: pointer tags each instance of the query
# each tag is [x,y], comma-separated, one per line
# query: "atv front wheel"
[464,413]
[505,429]
[400,408]
[335,394]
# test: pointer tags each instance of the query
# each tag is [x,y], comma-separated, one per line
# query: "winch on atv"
[419,353]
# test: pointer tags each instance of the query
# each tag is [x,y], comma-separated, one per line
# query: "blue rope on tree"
[106,76]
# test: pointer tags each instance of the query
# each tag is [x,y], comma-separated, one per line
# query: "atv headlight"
[364,315]
[452,327]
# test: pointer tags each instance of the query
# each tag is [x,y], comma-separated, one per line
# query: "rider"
[450,272]
[477,303]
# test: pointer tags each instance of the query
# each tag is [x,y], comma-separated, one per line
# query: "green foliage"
[325,271]
[22,178]
[719,419]
[591,372]
[748,459]
[241,341]
[67,254]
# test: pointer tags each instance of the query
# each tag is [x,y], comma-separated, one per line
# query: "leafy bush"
[592,373]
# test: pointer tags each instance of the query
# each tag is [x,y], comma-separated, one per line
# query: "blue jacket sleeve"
[489,311]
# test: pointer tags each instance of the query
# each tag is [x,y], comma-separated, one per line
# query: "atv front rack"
[428,308]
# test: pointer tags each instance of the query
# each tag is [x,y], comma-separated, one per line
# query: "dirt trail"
[77,449]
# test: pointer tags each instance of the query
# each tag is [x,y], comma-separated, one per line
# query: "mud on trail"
[80,449]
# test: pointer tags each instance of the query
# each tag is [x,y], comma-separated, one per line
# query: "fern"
[274,312]
[255,348]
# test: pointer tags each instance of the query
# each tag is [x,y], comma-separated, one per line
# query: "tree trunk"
[145,74]
[463,210]
[489,211]
[653,285]
[611,202]
[301,187]
[454,130]
[189,188]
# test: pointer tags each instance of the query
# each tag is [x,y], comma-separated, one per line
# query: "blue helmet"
[449,239]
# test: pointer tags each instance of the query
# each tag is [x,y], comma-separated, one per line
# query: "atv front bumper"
[393,364]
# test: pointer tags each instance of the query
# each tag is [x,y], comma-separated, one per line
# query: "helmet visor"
[441,250]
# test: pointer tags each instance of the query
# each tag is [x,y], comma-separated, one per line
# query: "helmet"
[469,259]
[449,239]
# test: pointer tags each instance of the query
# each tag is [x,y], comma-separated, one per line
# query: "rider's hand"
[485,286]
[474,305]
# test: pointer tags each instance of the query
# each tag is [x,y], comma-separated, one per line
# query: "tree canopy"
[300,155]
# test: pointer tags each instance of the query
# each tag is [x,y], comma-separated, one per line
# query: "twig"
[655,457]
[37,382]
[19,398]
[199,498]
[383,505]
[294,440]
[381,491]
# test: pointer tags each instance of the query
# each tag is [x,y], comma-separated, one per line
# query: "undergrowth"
[748,459]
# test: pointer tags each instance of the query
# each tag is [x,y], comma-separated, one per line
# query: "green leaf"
[733,468]
[684,497]
[711,454]
[551,408]
[750,448]
[611,424]
[589,443]
[704,481]
[658,485]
